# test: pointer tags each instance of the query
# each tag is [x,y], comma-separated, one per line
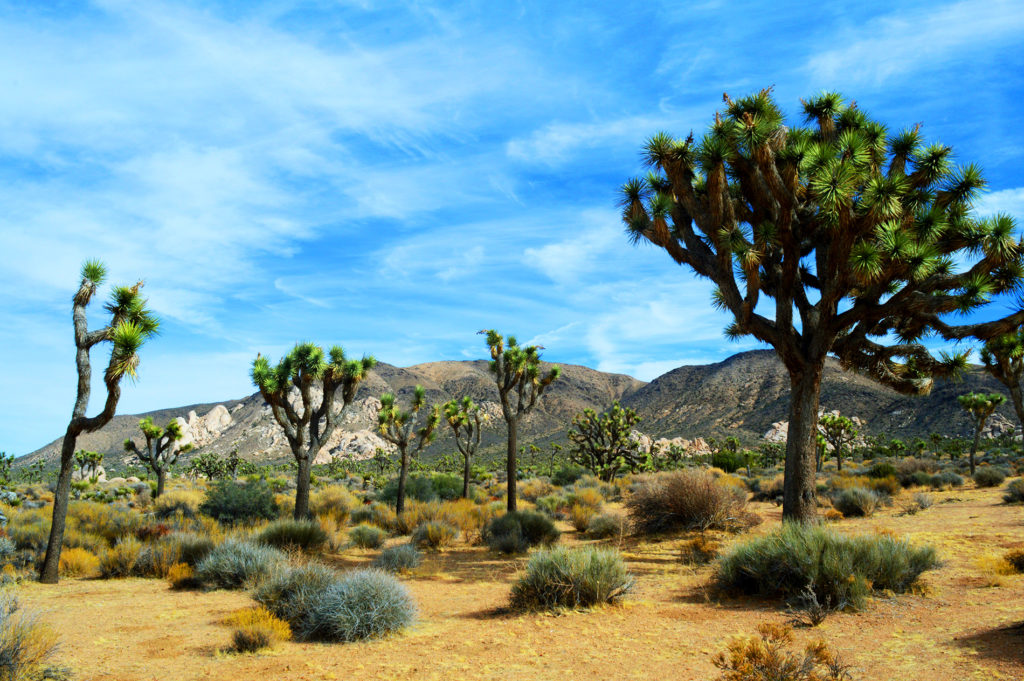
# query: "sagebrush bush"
[766,657]
[882,469]
[26,645]
[255,629]
[855,502]
[121,558]
[564,577]
[231,502]
[192,547]
[302,535]
[76,562]
[182,576]
[366,536]
[378,514]
[945,479]
[359,605]
[517,531]
[989,476]
[289,593]
[606,525]
[688,499]
[840,570]
[534,489]
[157,557]
[1014,492]
[236,564]
[400,558]
[434,535]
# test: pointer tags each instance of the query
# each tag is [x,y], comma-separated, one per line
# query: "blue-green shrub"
[517,531]
[304,535]
[238,565]
[398,558]
[571,578]
[232,502]
[359,605]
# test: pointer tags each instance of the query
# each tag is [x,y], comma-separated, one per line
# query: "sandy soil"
[959,628]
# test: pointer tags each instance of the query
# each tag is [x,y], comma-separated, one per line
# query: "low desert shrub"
[182,576]
[366,536]
[378,514]
[945,479]
[231,502]
[192,547]
[1014,492]
[989,476]
[26,645]
[606,525]
[699,550]
[534,489]
[767,657]
[157,557]
[302,535]
[335,502]
[76,562]
[554,505]
[567,475]
[468,516]
[840,570]
[564,577]
[236,564]
[855,502]
[517,531]
[882,469]
[688,499]
[359,605]
[109,521]
[588,497]
[121,558]
[401,558]
[580,516]
[434,535]
[1015,557]
[177,503]
[290,593]
[255,629]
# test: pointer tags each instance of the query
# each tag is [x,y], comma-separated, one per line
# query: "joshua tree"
[399,428]
[5,468]
[130,325]
[466,420]
[161,450]
[603,443]
[88,463]
[835,238]
[980,406]
[309,424]
[516,370]
[208,464]
[1003,357]
[839,432]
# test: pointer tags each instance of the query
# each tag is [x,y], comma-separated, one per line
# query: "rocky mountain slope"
[743,396]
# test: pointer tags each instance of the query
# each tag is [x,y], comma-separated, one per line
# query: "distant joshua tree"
[839,432]
[88,463]
[130,325]
[161,450]
[603,443]
[1003,357]
[466,420]
[980,406]
[400,429]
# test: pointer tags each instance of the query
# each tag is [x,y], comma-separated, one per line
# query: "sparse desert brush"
[77,562]
[699,550]
[1014,492]
[157,557]
[517,531]
[580,516]
[177,503]
[993,568]
[769,489]
[554,505]
[236,564]
[434,535]
[192,547]
[855,502]
[590,497]
[112,522]
[840,570]
[289,593]
[415,514]
[232,503]
[401,558]
[606,525]
[75,537]
[768,657]
[335,501]
[182,576]
[989,476]
[381,515]
[468,516]
[564,577]
[1015,558]
[358,605]
[688,499]
[29,530]
[534,488]
[26,645]
[945,480]
[832,515]
[255,629]
[366,536]
[301,535]
[120,559]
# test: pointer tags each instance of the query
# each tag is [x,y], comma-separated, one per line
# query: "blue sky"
[396,176]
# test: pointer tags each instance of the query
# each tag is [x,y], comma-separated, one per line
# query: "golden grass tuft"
[255,629]
[77,562]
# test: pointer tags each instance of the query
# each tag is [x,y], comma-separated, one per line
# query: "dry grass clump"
[381,515]
[366,536]
[699,550]
[993,568]
[178,503]
[688,499]
[26,646]
[564,577]
[534,489]
[768,657]
[468,516]
[120,559]
[182,576]
[255,629]
[580,516]
[76,562]
[335,501]
[434,535]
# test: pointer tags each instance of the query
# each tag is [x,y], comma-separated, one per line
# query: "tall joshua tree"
[516,370]
[466,420]
[980,406]
[310,422]
[160,451]
[130,325]
[400,429]
[835,238]
[603,443]
[838,431]
[1003,357]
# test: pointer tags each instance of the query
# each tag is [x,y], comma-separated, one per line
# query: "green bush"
[419,487]
[728,461]
[552,504]
[567,475]
[374,514]
[398,558]
[946,479]
[366,536]
[434,535]
[989,476]
[840,570]
[571,578]
[359,605]
[855,502]
[606,525]
[1014,492]
[303,535]
[232,502]
[517,531]
[238,565]
[687,499]
[882,469]
[192,547]
[290,593]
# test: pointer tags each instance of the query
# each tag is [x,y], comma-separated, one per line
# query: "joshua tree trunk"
[1018,405]
[977,440]
[161,478]
[302,488]
[839,458]
[510,470]
[61,496]
[403,475]
[799,502]
[465,479]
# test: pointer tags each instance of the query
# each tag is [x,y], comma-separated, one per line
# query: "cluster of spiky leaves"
[159,451]
[1003,357]
[398,426]
[603,443]
[857,230]
[837,429]
[466,419]
[517,371]
[980,405]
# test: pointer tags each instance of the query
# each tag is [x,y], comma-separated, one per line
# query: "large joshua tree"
[308,423]
[836,238]
[980,406]
[1003,357]
[161,450]
[130,325]
[401,429]
[516,370]
[466,419]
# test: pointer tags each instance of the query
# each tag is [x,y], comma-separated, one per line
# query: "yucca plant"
[1003,357]
[516,370]
[466,419]
[131,324]
[837,238]
[309,423]
[400,429]
[161,450]
[980,406]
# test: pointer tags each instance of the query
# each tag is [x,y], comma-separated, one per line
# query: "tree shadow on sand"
[1002,643]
